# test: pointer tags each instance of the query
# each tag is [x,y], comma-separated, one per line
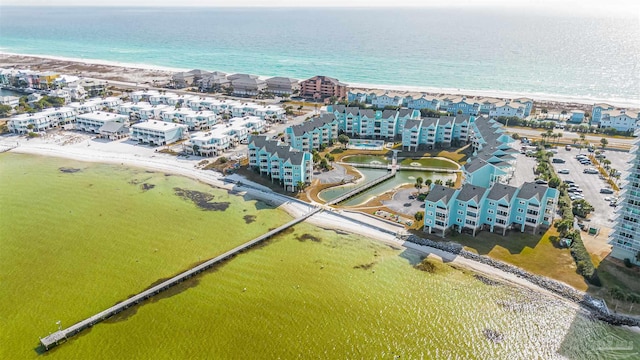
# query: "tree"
[582,208]
[419,182]
[5,110]
[564,226]
[606,163]
[603,143]
[554,182]
[450,183]
[316,157]
[428,183]
[343,139]
[419,216]
[300,186]
[438,182]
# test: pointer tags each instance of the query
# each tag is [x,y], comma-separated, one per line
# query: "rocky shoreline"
[596,307]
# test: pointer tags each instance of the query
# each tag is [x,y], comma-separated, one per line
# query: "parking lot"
[592,183]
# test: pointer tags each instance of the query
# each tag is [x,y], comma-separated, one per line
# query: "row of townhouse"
[157,133]
[500,207]
[95,104]
[280,162]
[93,122]
[232,108]
[520,107]
[608,116]
[223,137]
[41,121]
[429,132]
[195,120]
[311,135]
[367,123]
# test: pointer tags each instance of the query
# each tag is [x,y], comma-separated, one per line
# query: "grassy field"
[530,252]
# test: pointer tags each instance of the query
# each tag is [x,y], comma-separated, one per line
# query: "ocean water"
[594,57]
[74,243]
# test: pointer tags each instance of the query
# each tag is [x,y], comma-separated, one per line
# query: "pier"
[62,335]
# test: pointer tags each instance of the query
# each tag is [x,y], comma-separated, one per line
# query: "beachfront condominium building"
[323,88]
[92,122]
[290,167]
[156,133]
[430,132]
[214,81]
[507,109]
[41,121]
[313,134]
[283,85]
[388,99]
[501,207]
[625,236]
[621,120]
[247,85]
[188,78]
[460,105]
[596,112]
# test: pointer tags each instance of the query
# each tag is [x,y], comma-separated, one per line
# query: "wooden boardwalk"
[362,188]
[61,335]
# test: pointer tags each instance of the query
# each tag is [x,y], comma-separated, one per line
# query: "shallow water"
[309,293]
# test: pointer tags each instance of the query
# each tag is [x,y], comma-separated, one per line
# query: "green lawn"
[611,275]
[527,251]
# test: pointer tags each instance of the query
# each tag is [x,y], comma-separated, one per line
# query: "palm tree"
[419,182]
[428,183]
[603,143]
[300,186]
[606,163]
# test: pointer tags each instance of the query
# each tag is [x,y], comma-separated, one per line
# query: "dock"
[62,335]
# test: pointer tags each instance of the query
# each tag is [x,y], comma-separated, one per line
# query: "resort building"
[507,109]
[460,105]
[143,95]
[311,135]
[195,120]
[625,236]
[370,124]
[92,122]
[621,120]
[430,132]
[113,130]
[247,85]
[323,88]
[41,121]
[158,133]
[291,168]
[472,208]
[283,85]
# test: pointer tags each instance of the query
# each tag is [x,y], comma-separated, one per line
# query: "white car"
[563,171]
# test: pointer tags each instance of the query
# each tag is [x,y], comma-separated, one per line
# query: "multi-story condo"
[283,85]
[311,135]
[156,133]
[214,81]
[195,120]
[223,137]
[323,87]
[280,162]
[246,84]
[143,95]
[366,123]
[92,122]
[625,236]
[388,99]
[460,105]
[621,120]
[501,207]
[423,102]
[41,121]
[429,132]
[528,104]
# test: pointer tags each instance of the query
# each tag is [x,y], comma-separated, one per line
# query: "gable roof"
[499,191]
[530,190]
[439,192]
[471,192]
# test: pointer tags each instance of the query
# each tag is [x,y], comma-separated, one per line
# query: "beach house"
[156,132]
[195,120]
[507,109]
[423,101]
[596,112]
[527,102]
[291,168]
[620,119]
[247,85]
[388,99]
[214,81]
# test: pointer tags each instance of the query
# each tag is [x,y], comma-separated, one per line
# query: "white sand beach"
[150,74]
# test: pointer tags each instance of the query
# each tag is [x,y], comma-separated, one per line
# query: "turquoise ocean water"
[512,51]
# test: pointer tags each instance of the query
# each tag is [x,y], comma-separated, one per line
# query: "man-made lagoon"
[76,237]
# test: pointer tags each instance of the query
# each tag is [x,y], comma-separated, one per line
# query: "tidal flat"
[73,243]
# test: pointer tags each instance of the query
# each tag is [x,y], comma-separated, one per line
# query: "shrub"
[223,160]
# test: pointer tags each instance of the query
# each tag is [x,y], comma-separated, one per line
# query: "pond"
[401,178]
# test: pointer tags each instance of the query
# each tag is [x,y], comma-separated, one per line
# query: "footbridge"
[62,335]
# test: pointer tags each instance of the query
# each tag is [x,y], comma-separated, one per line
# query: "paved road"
[567,137]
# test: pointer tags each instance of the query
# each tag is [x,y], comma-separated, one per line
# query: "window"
[520,210]
[489,219]
[460,212]
[519,218]
[521,202]
[490,211]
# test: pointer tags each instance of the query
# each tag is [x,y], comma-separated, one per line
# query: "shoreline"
[353,223]
[166,71]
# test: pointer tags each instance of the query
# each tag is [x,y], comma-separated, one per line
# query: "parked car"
[606,191]
[576,196]
[568,182]
[558,161]
[575,190]
[541,182]
[568,147]
[563,171]
[590,171]
[581,156]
